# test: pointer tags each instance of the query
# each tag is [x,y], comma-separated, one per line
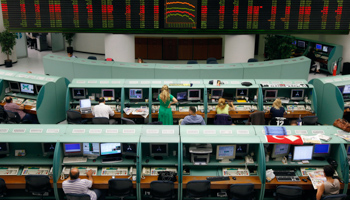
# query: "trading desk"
[292,115]
[100,182]
[27,109]
[224,184]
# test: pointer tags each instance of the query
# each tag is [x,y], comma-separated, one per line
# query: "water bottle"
[299,121]
[290,157]
[293,108]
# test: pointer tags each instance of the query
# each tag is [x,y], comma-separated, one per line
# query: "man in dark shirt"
[313,58]
[10,106]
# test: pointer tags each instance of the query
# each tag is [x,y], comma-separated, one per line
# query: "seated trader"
[277,109]
[10,106]
[331,186]
[193,118]
[313,58]
[223,107]
[102,110]
[75,185]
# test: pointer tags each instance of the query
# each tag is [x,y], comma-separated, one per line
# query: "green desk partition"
[295,68]
[221,71]
[169,71]
[133,70]
[59,66]
[86,68]
[262,70]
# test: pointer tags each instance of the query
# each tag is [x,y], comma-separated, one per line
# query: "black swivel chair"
[192,62]
[162,190]
[198,189]
[12,117]
[242,191]
[284,192]
[121,187]
[2,188]
[74,117]
[127,121]
[78,197]
[211,59]
[213,62]
[3,115]
[335,197]
[279,121]
[92,58]
[310,120]
[252,60]
[222,119]
[100,120]
[38,184]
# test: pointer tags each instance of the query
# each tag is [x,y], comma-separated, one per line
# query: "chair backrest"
[162,189]
[279,121]
[127,121]
[222,119]
[78,197]
[2,187]
[120,187]
[100,120]
[336,197]
[73,117]
[13,117]
[252,60]
[284,192]
[92,58]
[242,191]
[38,183]
[257,118]
[198,188]
[310,120]
[2,114]
[211,59]
[213,62]
[192,62]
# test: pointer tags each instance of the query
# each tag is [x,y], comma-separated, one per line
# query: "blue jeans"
[32,118]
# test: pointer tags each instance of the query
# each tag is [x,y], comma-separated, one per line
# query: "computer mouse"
[147,160]
[94,160]
[234,178]
[304,179]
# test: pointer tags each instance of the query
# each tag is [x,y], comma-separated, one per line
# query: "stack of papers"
[127,111]
[324,137]
[311,139]
[344,136]
[141,111]
[317,178]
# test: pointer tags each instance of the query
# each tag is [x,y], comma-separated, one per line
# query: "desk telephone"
[15,100]
[117,171]
[235,172]
[249,159]
[184,108]
[6,171]
[201,108]
[82,171]
[35,170]
[147,171]
[297,108]
[245,108]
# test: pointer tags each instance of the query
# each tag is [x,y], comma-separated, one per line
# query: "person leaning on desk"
[102,110]
[165,114]
[223,107]
[277,109]
[10,106]
[329,187]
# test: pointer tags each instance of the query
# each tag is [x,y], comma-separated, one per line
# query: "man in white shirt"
[102,110]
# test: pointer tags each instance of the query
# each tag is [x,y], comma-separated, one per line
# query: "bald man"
[10,106]
[75,185]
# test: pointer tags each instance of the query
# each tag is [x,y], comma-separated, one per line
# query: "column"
[239,48]
[120,47]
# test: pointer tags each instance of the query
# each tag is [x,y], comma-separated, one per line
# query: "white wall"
[89,42]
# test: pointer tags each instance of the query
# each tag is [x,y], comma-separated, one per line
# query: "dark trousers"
[32,118]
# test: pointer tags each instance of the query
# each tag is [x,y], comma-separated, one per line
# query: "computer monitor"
[85,103]
[158,150]
[194,94]
[318,47]
[14,87]
[321,150]
[225,153]
[78,93]
[348,149]
[4,148]
[297,94]
[217,93]
[271,94]
[108,94]
[111,149]
[280,150]
[325,49]
[301,44]
[38,88]
[91,149]
[27,88]
[303,153]
[242,149]
[241,93]
[129,149]
[346,89]
[72,149]
[181,96]
[135,94]
[48,148]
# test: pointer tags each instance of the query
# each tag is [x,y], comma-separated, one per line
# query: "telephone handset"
[65,173]
[249,159]
[146,171]
[132,173]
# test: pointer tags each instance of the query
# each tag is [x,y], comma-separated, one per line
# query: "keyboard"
[287,178]
[112,160]
[74,159]
[284,172]
[218,178]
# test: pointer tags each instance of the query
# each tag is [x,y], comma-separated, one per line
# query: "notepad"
[242,101]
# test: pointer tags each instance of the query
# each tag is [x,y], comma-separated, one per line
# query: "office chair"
[222,119]
[310,120]
[109,59]
[78,197]
[198,189]
[92,58]
[12,117]
[192,124]
[100,120]
[155,123]
[120,187]
[3,115]
[2,188]
[162,190]
[74,117]
[192,62]
[279,121]
[127,121]
[242,191]
[252,60]
[38,185]
[213,62]
[284,192]
[335,197]
[257,118]
[210,59]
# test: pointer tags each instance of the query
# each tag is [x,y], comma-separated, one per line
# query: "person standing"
[165,114]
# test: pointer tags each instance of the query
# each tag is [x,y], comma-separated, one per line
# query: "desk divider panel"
[295,68]
[262,70]
[61,66]
[133,70]
[86,68]
[170,71]
[221,71]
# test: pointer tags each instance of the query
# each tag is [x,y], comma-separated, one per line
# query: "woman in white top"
[331,186]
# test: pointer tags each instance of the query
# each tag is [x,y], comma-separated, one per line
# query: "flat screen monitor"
[110,149]
[280,150]
[159,150]
[321,150]
[297,94]
[27,88]
[241,93]
[242,149]
[271,94]
[303,153]
[181,96]
[225,152]
[91,149]
[129,149]
[346,89]
[14,87]
[325,49]
[85,103]
[108,94]
[301,44]
[4,148]
[318,47]
[217,93]
[78,93]
[48,148]
[38,88]
[194,94]
[348,149]
[135,94]
[72,149]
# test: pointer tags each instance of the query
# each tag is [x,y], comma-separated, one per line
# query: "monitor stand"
[158,158]
[226,160]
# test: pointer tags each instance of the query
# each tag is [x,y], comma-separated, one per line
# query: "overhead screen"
[169,16]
